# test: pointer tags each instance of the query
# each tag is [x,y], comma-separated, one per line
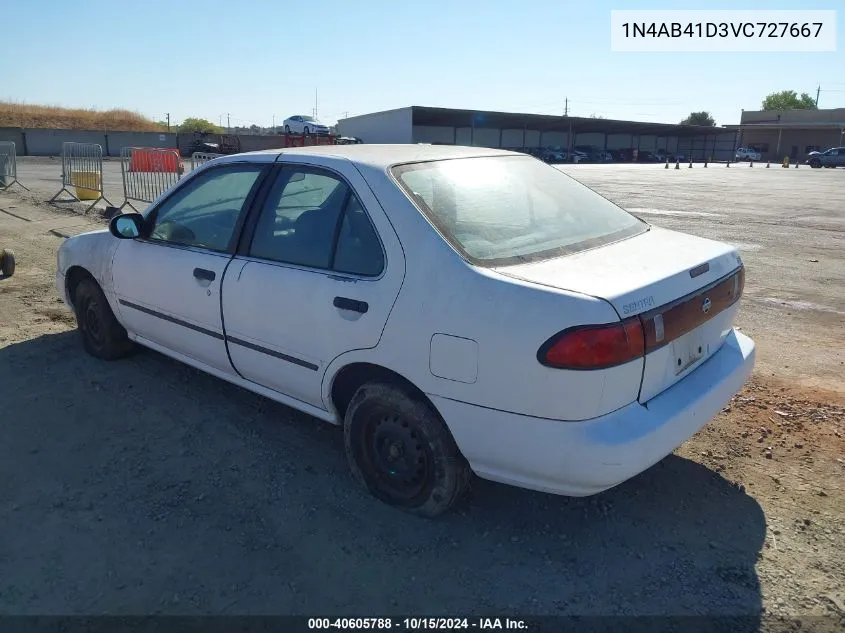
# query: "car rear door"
[316,275]
[168,282]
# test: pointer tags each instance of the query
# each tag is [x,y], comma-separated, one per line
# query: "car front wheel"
[402,452]
[287,129]
[815,163]
[102,335]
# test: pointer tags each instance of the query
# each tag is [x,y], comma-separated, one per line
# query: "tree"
[699,118]
[202,126]
[788,100]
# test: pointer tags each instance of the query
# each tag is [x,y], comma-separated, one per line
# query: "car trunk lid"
[684,289]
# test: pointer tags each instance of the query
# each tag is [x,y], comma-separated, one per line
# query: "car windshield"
[307,118]
[497,211]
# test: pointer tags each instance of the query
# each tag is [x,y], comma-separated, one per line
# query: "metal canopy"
[449,117]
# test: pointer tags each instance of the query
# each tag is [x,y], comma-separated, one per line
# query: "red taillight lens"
[594,346]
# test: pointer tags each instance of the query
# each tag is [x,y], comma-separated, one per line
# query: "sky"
[260,61]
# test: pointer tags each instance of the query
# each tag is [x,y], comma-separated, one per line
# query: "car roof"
[384,156]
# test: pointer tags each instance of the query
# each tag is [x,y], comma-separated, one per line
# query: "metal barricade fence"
[198,158]
[147,173]
[9,166]
[82,169]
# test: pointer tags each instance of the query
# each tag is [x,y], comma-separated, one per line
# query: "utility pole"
[228,123]
[818,90]
[346,114]
[315,103]
[168,121]
[566,107]
[274,123]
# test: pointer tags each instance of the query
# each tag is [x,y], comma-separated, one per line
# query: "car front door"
[168,281]
[312,279]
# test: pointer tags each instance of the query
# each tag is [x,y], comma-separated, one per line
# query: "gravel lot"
[144,486]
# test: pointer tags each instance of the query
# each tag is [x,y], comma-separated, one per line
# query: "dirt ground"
[143,486]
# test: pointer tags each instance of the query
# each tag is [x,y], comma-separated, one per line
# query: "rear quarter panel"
[508,319]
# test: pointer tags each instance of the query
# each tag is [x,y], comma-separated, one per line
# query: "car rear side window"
[503,210]
[312,218]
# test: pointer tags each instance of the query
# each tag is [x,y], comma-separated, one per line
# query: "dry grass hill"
[21,115]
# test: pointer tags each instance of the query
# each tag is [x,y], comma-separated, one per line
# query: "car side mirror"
[127,226]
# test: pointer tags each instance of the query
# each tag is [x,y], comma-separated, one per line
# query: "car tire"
[7,262]
[306,131]
[400,449]
[815,163]
[287,129]
[102,335]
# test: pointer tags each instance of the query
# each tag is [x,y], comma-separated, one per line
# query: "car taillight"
[594,346]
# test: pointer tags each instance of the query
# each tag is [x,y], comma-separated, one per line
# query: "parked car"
[301,124]
[554,155]
[648,157]
[834,157]
[747,153]
[618,156]
[454,309]
[594,154]
[576,156]
[211,143]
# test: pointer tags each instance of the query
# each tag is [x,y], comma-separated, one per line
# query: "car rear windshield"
[503,210]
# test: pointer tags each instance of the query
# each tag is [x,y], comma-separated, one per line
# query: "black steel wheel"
[102,335]
[402,452]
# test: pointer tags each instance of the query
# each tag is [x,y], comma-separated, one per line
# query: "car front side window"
[205,211]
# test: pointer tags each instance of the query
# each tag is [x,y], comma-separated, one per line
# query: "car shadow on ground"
[148,487]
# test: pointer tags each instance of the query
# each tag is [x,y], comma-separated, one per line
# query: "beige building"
[794,133]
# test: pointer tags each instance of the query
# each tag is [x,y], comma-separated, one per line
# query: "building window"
[761,147]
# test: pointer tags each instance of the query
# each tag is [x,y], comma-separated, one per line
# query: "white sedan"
[301,124]
[747,153]
[455,309]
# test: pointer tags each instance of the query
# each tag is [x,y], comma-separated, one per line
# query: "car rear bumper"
[584,458]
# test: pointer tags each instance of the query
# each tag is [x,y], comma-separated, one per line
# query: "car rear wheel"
[402,452]
[102,336]
[7,262]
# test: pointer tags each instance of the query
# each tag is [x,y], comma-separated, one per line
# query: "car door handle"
[351,304]
[202,273]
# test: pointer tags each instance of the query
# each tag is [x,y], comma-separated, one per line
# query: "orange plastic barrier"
[156,160]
